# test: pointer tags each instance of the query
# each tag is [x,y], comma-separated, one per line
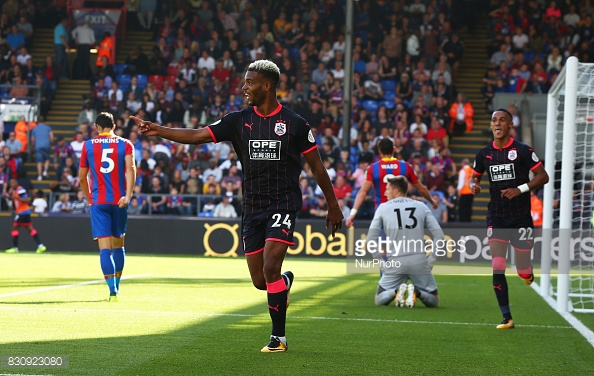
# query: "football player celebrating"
[269,140]
[508,163]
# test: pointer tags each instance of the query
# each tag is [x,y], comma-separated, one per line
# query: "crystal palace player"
[508,163]
[269,139]
[377,176]
[108,161]
[21,202]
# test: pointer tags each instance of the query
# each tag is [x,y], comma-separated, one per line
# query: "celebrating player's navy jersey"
[507,167]
[104,156]
[269,148]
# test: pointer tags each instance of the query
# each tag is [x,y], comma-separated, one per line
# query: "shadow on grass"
[229,342]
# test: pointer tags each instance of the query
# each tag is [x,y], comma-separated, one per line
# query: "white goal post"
[568,202]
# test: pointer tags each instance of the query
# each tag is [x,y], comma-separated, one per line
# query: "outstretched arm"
[319,171]
[182,136]
[423,191]
[359,199]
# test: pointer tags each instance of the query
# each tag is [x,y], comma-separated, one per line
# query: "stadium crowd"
[406,60]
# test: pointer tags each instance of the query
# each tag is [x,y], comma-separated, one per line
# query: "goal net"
[568,202]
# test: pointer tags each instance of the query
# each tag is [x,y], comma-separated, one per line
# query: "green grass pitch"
[202,316]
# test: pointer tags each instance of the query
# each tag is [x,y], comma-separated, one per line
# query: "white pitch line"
[246,315]
[571,319]
[17,293]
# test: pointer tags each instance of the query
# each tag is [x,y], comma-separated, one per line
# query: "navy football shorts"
[518,231]
[258,228]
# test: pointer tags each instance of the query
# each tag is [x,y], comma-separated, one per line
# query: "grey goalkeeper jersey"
[403,221]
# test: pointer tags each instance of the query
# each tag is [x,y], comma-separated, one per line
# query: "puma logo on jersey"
[489,157]
[248,125]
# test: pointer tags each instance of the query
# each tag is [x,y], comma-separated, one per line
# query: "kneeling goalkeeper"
[403,221]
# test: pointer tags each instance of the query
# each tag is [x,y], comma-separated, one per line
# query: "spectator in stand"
[87,114]
[462,114]
[25,27]
[14,145]
[158,199]
[342,189]
[224,209]
[146,13]
[502,55]
[437,131]
[174,202]
[84,38]
[16,91]
[42,138]
[404,89]
[434,179]
[453,48]
[80,204]
[60,44]
[39,204]
[373,88]
[554,60]
[15,39]
[63,204]
[76,144]
[62,151]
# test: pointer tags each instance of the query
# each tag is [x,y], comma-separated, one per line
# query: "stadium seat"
[172,80]
[142,80]
[388,85]
[389,104]
[295,54]
[123,80]
[156,80]
[371,106]
[389,95]
[172,70]
[119,69]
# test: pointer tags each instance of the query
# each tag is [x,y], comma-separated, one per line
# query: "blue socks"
[119,258]
[109,269]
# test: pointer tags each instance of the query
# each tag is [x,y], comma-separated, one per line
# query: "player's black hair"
[399,182]
[105,120]
[267,69]
[511,117]
[385,146]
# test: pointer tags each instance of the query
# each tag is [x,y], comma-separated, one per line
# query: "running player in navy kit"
[508,164]
[269,140]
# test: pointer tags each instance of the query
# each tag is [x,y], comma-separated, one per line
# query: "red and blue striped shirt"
[104,156]
[379,173]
